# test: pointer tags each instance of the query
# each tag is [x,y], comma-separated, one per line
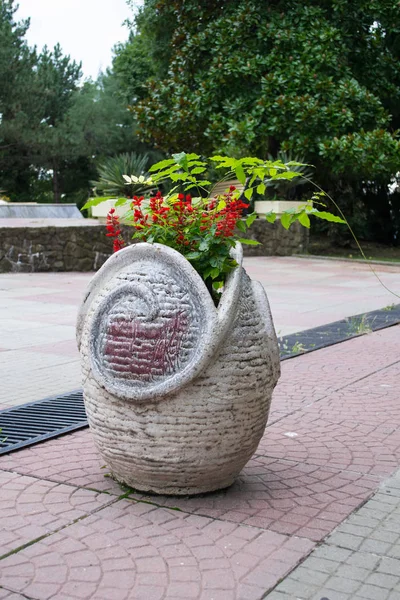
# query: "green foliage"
[377,153]
[243,80]
[111,181]
[187,170]
[53,128]
[205,229]
[319,78]
[132,67]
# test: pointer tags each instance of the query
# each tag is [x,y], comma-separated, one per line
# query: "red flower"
[114,231]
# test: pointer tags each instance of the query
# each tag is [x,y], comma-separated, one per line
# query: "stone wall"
[85,248]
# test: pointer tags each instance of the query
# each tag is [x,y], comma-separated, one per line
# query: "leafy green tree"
[320,79]
[250,78]
[17,61]
[49,134]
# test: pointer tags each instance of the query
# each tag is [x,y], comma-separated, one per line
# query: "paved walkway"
[315,514]
[38,355]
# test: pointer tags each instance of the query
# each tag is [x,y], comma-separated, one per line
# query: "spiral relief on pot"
[146,331]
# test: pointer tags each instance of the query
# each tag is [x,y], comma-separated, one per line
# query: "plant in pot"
[178,349]
[112,190]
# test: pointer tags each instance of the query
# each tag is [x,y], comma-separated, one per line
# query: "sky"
[87,30]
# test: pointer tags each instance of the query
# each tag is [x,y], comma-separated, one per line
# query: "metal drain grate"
[38,421]
[339,331]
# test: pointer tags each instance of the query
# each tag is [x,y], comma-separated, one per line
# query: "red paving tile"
[71,459]
[137,551]
[293,498]
[310,439]
[61,298]
[31,508]
[66,348]
[267,494]
[332,437]
[310,377]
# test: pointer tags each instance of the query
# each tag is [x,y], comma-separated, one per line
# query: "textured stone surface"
[38,247]
[187,420]
[32,249]
[359,561]
[240,544]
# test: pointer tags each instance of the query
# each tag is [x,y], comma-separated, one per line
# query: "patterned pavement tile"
[372,401]
[341,443]
[283,496]
[7,595]
[31,508]
[71,459]
[359,561]
[311,377]
[137,551]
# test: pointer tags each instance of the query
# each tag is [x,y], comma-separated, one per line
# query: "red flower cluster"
[186,221]
[114,231]
[180,223]
[227,217]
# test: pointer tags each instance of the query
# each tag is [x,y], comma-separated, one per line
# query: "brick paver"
[70,532]
[132,550]
[71,459]
[31,508]
[359,561]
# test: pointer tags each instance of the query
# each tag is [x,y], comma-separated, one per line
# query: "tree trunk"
[56,185]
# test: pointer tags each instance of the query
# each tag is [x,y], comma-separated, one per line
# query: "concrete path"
[38,355]
[298,524]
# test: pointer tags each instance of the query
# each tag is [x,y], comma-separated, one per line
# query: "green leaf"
[181,159]
[179,176]
[249,242]
[250,219]
[221,205]
[204,245]
[261,188]
[203,182]
[160,165]
[304,219]
[214,273]
[165,174]
[228,162]
[240,174]
[287,175]
[248,193]
[241,225]
[327,216]
[197,170]
[286,219]
[95,201]
[271,217]
[122,201]
[192,255]
[196,163]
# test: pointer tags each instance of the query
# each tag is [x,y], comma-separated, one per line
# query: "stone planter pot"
[177,392]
